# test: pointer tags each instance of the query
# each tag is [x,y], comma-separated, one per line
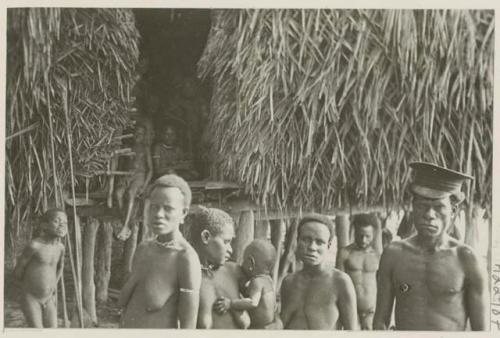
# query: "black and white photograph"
[250,168]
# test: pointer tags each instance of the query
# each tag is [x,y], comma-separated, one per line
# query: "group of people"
[435,281]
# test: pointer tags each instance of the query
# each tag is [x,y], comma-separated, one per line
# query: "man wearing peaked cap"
[437,282]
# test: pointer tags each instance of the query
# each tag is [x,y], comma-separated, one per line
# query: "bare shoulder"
[340,277]
[466,254]
[188,255]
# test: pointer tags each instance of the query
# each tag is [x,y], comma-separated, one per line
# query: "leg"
[49,310]
[32,311]
[133,190]
[366,320]
[119,192]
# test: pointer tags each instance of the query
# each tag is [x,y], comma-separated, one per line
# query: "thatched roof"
[70,73]
[325,108]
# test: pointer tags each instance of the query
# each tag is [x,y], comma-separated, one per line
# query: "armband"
[187,290]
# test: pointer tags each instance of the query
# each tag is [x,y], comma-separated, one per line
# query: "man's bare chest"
[362,262]
[438,275]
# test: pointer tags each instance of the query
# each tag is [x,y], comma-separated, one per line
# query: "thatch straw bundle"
[326,108]
[70,72]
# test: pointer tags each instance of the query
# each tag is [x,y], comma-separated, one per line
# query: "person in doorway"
[211,232]
[39,268]
[360,260]
[141,168]
[436,282]
[317,297]
[259,258]
[162,290]
[169,158]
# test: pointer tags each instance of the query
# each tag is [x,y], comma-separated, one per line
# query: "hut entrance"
[169,92]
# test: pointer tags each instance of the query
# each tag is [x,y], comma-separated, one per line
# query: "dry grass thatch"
[326,108]
[70,73]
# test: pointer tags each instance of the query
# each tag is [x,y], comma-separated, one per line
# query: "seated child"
[162,290]
[169,158]
[260,299]
[40,267]
[142,167]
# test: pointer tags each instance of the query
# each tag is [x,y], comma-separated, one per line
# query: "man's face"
[58,225]
[432,216]
[363,236]
[219,248]
[312,243]
[167,210]
[169,136]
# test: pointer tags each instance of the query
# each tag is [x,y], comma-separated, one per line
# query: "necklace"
[169,244]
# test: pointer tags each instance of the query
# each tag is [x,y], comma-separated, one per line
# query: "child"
[260,302]
[169,158]
[142,168]
[162,290]
[40,267]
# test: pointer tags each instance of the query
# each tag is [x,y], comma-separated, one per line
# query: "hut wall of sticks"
[305,110]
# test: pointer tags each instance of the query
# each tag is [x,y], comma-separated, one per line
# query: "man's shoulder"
[399,246]
[465,253]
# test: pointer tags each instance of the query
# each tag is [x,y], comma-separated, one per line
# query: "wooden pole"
[342,231]
[75,217]
[288,258]
[88,286]
[261,229]
[244,234]
[277,236]
[103,269]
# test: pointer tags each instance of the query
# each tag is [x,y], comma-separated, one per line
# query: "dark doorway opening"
[169,92]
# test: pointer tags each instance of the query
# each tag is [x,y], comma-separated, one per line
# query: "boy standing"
[163,288]
[360,260]
[317,297]
[39,269]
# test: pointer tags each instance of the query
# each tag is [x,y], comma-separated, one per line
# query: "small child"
[40,267]
[142,166]
[260,298]
[163,288]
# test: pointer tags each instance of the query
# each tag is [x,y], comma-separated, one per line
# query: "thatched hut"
[309,109]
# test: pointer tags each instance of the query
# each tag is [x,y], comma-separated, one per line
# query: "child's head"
[140,134]
[259,258]
[169,135]
[314,235]
[54,223]
[364,229]
[211,233]
[170,199]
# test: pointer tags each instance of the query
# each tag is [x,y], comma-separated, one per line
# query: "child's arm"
[60,263]
[189,287]
[23,260]
[248,303]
